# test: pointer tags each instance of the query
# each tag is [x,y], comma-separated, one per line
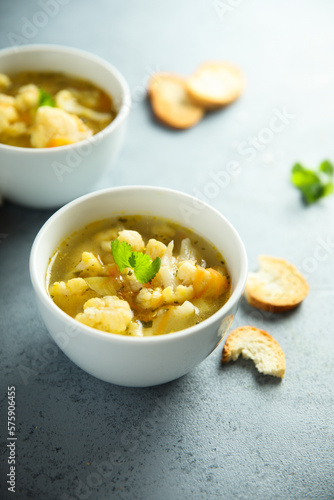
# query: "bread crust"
[171,103]
[215,84]
[277,287]
[258,345]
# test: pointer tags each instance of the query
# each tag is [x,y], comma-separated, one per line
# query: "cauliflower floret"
[103,238]
[8,113]
[133,238]
[67,101]
[150,298]
[155,248]
[52,124]
[7,100]
[187,272]
[180,294]
[109,314]
[4,81]
[27,98]
[136,329]
[71,295]
[16,129]
[90,265]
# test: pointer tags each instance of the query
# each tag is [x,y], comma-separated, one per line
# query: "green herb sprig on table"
[45,99]
[313,184]
[144,268]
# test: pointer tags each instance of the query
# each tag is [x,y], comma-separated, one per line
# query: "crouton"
[257,345]
[215,84]
[277,287]
[171,103]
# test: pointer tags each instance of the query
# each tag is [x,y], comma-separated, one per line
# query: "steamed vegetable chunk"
[54,127]
[109,314]
[138,276]
[45,109]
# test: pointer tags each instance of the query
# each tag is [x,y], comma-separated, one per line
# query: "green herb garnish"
[45,99]
[313,184]
[143,267]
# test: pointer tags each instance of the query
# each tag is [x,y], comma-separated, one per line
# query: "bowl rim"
[122,113]
[118,338]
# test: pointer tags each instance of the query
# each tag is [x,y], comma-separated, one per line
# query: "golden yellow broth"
[68,255]
[52,83]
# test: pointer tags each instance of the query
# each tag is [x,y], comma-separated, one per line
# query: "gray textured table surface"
[217,433]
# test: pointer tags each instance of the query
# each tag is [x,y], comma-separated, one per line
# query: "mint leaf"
[45,99]
[313,185]
[141,263]
[121,251]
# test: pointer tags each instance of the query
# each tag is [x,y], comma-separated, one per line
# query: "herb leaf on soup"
[121,252]
[45,99]
[313,184]
[124,256]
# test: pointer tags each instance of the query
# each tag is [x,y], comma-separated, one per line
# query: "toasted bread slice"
[171,103]
[277,287]
[215,84]
[257,345]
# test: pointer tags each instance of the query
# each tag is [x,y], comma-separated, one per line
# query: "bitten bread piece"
[278,286]
[171,103]
[257,345]
[215,84]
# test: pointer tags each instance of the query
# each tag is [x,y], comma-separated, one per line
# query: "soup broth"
[192,283]
[79,109]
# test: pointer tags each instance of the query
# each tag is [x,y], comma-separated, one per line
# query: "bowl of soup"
[137,285]
[63,115]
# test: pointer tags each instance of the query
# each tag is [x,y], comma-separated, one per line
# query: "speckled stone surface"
[219,432]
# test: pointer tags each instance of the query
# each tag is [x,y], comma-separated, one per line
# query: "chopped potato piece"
[175,318]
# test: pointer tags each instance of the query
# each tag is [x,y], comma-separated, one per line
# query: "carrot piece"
[58,141]
[163,322]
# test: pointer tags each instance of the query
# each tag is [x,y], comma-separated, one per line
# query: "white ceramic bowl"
[133,361]
[51,177]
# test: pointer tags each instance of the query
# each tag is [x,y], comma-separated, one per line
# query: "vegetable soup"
[45,109]
[139,276]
